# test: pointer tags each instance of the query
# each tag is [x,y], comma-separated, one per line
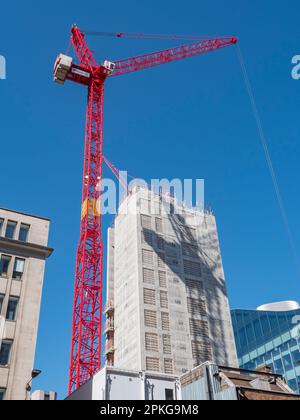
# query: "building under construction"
[167,307]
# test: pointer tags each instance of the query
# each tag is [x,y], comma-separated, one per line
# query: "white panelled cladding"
[170,304]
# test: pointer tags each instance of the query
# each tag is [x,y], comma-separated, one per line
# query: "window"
[287,361]
[147,237]
[192,268]
[147,257]
[257,329]
[296,357]
[196,306]
[172,261]
[1,302]
[10,229]
[169,395]
[18,268]
[158,225]
[167,348]
[194,288]
[164,300]
[2,394]
[162,276]
[190,234]
[201,352]
[151,341]
[1,226]
[160,243]
[199,328]
[165,321]
[12,309]
[150,319]
[23,234]
[149,297]
[190,250]
[161,258]
[146,222]
[4,265]
[168,368]
[279,367]
[152,364]
[148,276]
[5,353]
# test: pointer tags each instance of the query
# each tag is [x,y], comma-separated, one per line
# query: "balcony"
[109,307]
[109,326]
[109,347]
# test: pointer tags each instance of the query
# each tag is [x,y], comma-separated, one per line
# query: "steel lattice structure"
[88,307]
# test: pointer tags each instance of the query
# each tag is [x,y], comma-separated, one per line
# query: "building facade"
[43,396]
[207,382]
[23,251]
[167,307]
[270,335]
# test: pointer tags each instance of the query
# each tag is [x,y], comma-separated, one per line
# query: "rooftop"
[25,214]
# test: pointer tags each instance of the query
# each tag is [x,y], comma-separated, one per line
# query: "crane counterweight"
[62,68]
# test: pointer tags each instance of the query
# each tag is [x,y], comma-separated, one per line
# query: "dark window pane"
[12,309]
[2,394]
[293,385]
[23,234]
[287,361]
[243,339]
[18,268]
[1,302]
[5,352]
[274,322]
[10,230]
[283,322]
[169,395]
[296,357]
[250,333]
[257,328]
[279,367]
[265,324]
[4,265]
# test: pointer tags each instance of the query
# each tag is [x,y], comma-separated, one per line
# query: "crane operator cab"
[108,67]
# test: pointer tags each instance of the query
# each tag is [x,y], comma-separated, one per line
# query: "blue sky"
[192,119]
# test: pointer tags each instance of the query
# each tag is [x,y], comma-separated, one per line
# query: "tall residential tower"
[23,251]
[167,307]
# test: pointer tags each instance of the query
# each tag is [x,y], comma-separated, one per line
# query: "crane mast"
[86,344]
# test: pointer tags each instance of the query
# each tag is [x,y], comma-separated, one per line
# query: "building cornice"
[25,214]
[26,248]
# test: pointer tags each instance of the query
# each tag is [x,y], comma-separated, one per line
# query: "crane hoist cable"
[268,158]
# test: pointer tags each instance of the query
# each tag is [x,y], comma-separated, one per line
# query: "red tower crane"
[88,308]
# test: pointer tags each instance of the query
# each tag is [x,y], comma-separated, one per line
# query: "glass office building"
[270,335]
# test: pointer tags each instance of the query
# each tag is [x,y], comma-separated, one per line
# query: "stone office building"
[23,252]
